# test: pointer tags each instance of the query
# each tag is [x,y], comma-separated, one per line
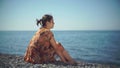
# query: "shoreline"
[16,61]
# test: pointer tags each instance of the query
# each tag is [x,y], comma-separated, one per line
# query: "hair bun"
[39,21]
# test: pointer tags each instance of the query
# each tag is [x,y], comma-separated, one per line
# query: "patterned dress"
[39,49]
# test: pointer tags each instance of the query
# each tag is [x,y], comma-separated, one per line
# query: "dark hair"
[44,19]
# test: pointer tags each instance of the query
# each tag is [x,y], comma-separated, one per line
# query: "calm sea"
[89,46]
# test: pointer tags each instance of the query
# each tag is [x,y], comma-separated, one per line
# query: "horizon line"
[61,30]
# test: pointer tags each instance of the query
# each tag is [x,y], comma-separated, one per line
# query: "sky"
[68,14]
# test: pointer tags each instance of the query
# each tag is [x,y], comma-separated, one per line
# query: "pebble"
[15,61]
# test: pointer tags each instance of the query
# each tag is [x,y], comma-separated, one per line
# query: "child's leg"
[62,57]
[68,57]
[65,54]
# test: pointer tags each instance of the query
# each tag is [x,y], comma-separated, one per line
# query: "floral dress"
[39,49]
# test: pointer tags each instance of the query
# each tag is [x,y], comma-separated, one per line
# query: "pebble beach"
[16,61]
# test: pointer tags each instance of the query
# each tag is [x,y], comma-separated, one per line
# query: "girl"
[43,47]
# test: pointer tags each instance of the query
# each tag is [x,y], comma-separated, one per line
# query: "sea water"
[89,46]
